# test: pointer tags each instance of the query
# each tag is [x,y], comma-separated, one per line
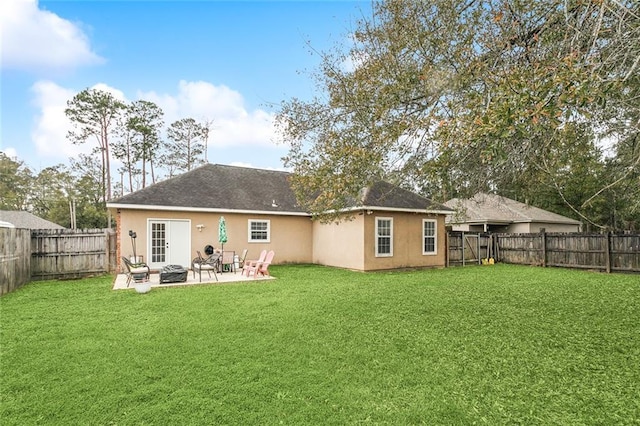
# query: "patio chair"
[138,272]
[242,258]
[210,263]
[261,268]
[251,263]
[226,262]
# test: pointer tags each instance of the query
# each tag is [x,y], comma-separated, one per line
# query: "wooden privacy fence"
[15,258]
[606,252]
[71,253]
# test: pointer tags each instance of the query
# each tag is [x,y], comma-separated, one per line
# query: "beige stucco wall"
[298,239]
[290,235]
[351,244]
[340,244]
[464,227]
[407,242]
[549,227]
[520,228]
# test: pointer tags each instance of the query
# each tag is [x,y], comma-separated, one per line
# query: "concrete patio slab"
[120,282]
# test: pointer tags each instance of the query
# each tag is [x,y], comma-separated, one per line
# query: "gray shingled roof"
[385,195]
[22,219]
[216,186]
[221,187]
[495,208]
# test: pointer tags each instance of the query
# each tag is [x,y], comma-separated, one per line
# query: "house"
[390,227]
[22,219]
[494,213]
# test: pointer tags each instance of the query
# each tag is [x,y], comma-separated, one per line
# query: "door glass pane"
[158,242]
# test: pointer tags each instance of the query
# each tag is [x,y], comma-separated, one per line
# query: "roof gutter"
[203,210]
[267,212]
[559,222]
[483,222]
[397,209]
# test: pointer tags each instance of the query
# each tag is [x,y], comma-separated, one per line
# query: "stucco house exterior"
[390,228]
[494,213]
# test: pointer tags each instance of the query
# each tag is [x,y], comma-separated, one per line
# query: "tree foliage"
[185,147]
[52,191]
[130,133]
[94,114]
[145,120]
[467,95]
[139,141]
[125,149]
[15,180]
[90,204]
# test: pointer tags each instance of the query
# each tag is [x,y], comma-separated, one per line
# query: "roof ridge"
[248,167]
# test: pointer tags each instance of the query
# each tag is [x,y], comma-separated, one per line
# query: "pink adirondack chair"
[252,263]
[262,268]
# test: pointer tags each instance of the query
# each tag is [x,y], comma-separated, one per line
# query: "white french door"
[169,243]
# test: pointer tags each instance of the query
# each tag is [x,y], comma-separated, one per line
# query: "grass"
[479,345]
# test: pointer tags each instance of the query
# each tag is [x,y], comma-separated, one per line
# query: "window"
[259,231]
[384,236]
[429,236]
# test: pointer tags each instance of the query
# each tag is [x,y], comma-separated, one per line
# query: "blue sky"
[231,62]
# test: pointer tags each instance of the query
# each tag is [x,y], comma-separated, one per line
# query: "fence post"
[607,253]
[463,244]
[107,249]
[543,236]
[448,248]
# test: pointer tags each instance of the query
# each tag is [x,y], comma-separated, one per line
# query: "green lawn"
[489,345]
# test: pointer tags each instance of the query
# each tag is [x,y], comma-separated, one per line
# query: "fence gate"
[468,248]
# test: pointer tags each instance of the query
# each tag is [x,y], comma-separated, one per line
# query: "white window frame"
[377,235]
[252,221]
[434,236]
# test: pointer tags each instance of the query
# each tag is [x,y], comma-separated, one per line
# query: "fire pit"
[173,274]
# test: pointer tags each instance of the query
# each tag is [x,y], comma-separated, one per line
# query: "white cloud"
[33,39]
[49,133]
[51,125]
[118,94]
[233,124]
[10,152]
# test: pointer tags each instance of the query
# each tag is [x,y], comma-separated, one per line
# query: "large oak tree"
[467,95]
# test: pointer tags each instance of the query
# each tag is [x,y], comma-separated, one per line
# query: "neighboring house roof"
[22,219]
[491,208]
[216,187]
